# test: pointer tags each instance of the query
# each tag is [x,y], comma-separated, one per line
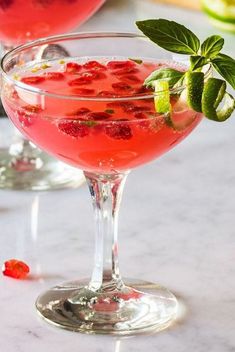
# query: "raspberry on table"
[16,269]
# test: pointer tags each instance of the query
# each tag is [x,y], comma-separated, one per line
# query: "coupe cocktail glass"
[92,111]
[23,166]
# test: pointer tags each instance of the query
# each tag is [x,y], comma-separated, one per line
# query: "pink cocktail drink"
[22,20]
[101,118]
[92,110]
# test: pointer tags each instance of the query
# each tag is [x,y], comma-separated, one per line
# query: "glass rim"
[82,35]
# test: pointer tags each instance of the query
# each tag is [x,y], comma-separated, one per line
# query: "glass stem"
[106,193]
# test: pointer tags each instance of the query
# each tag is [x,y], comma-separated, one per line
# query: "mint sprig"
[177,38]
[170,35]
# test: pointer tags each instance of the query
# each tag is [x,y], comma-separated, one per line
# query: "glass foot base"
[36,174]
[137,307]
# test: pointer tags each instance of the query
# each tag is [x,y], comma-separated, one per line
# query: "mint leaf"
[225,66]
[170,36]
[197,61]
[170,75]
[212,46]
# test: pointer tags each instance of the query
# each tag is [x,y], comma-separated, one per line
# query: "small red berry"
[122,86]
[119,130]
[126,71]
[78,112]
[80,81]
[74,128]
[72,67]
[94,75]
[25,119]
[94,65]
[115,65]
[33,79]
[131,79]
[54,76]
[15,268]
[26,114]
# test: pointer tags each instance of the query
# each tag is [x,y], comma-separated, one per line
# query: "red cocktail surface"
[24,20]
[120,132]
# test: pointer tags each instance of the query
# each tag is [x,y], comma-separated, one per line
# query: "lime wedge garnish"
[213,94]
[163,106]
[162,97]
[195,85]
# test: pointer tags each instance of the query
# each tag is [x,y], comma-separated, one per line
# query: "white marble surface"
[183,236]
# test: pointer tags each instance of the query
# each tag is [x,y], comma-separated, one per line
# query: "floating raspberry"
[94,65]
[94,75]
[74,128]
[119,130]
[83,91]
[80,81]
[126,71]
[33,79]
[79,112]
[72,67]
[122,86]
[26,114]
[115,65]
[54,76]
[98,116]
[15,268]
[131,79]
[26,120]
